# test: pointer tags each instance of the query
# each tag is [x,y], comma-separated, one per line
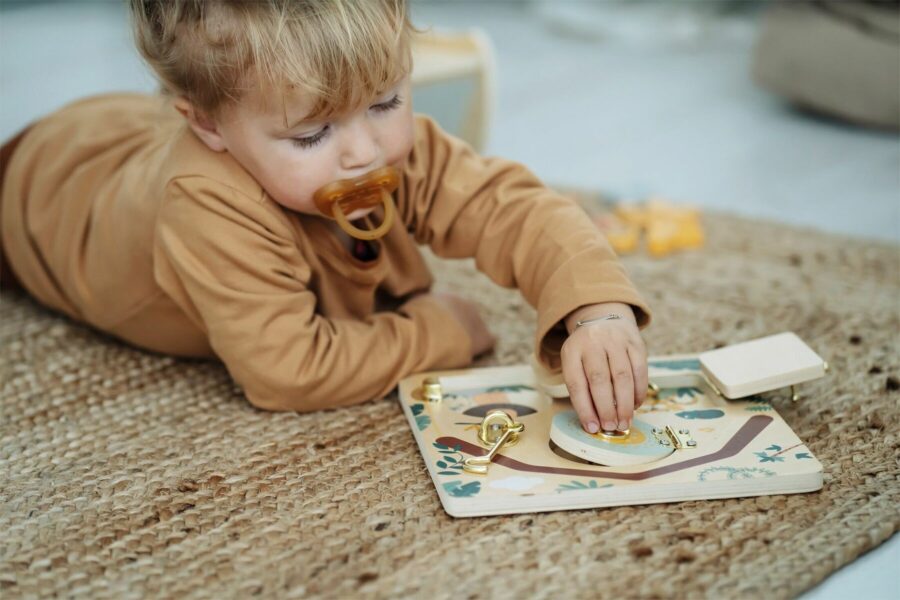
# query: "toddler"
[188,223]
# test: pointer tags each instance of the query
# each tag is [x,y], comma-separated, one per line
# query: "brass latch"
[679,439]
[497,430]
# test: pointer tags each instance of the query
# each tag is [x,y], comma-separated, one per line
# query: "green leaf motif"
[510,388]
[802,455]
[724,473]
[417,409]
[690,392]
[760,404]
[447,462]
[457,489]
[764,458]
[578,485]
[423,421]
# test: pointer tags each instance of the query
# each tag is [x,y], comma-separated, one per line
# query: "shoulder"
[214,182]
[204,205]
[428,132]
[190,161]
[102,105]
[433,148]
[212,225]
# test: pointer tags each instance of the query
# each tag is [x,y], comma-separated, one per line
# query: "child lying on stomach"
[190,223]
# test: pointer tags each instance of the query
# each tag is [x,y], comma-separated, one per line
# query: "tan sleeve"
[232,264]
[520,233]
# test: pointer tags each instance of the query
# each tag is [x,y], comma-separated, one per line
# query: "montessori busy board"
[688,441]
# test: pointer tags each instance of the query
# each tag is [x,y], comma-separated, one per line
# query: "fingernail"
[609,426]
[593,427]
[623,425]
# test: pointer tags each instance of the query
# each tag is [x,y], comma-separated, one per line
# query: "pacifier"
[340,198]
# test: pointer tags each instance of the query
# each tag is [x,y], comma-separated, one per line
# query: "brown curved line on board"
[738,442]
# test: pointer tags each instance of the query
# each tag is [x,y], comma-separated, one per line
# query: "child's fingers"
[579,394]
[596,367]
[638,358]
[623,384]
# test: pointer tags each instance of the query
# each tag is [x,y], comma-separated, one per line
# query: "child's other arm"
[231,263]
[520,233]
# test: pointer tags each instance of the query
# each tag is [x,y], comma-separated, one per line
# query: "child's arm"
[520,233]
[232,264]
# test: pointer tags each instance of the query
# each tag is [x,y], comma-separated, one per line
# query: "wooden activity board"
[740,447]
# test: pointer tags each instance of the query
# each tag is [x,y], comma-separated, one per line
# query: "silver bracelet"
[609,317]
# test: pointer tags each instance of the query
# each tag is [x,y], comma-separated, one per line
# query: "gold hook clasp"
[497,430]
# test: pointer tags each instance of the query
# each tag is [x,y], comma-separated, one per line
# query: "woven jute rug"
[125,474]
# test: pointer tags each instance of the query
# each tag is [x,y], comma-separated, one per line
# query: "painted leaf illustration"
[509,388]
[774,448]
[802,455]
[423,421]
[578,485]
[763,457]
[457,490]
[709,413]
[442,464]
[690,392]
[417,409]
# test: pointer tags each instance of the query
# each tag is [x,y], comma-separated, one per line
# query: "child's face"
[291,161]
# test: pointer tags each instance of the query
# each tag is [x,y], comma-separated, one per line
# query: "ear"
[205,128]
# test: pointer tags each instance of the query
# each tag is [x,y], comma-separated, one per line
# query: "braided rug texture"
[125,474]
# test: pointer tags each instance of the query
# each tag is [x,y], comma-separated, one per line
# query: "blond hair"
[341,52]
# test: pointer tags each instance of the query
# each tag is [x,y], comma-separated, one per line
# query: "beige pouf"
[832,56]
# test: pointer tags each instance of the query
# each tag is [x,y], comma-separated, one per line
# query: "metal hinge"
[679,439]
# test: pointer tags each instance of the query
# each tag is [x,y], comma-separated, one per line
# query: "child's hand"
[605,366]
[466,312]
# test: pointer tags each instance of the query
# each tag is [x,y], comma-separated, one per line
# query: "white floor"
[662,103]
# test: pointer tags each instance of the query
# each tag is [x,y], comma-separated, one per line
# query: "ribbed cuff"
[574,285]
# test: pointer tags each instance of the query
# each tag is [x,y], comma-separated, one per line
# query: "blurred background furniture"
[453,80]
[835,57]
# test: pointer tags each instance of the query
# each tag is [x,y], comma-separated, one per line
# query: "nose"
[360,148]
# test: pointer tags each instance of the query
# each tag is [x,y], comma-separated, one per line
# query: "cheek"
[294,177]
[399,139]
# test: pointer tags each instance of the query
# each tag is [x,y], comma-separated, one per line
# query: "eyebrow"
[295,124]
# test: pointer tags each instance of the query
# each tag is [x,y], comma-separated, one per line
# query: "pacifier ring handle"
[368,234]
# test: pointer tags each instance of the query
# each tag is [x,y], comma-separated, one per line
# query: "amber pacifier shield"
[341,198]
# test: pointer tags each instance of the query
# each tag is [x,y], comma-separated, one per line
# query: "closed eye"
[311,140]
[389,105]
